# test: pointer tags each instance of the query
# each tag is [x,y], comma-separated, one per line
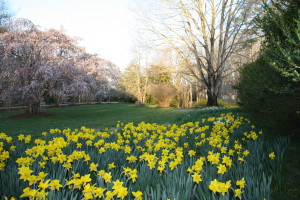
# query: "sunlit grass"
[96,116]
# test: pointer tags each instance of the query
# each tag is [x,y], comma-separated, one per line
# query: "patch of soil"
[28,115]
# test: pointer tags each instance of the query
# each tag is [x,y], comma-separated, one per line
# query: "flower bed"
[216,158]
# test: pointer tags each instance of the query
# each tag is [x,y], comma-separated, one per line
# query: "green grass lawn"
[92,116]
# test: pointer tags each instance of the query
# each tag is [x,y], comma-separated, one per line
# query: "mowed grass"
[98,116]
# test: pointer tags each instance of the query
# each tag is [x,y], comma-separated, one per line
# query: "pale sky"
[104,25]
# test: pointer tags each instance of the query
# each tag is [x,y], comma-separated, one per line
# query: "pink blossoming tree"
[36,63]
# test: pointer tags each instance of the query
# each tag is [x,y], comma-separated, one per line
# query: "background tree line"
[214,45]
[204,43]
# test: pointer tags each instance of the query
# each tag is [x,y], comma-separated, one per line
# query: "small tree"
[164,93]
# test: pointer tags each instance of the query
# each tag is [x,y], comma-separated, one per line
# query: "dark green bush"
[269,88]
[269,97]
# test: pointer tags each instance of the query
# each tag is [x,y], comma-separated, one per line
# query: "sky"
[105,26]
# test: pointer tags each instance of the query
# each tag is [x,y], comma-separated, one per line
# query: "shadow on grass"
[290,185]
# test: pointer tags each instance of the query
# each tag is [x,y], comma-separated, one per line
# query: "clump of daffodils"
[111,164]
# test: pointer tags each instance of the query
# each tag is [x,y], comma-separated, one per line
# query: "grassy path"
[92,116]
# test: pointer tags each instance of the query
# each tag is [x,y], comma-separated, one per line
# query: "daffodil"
[109,195]
[99,192]
[221,169]
[138,195]
[93,167]
[238,192]
[85,179]
[107,177]
[44,185]
[272,155]
[224,187]
[227,161]
[197,178]
[214,186]
[111,165]
[241,183]
[191,153]
[55,185]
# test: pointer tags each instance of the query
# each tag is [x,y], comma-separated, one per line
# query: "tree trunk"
[212,99]
[7,103]
[190,96]
[197,92]
[33,108]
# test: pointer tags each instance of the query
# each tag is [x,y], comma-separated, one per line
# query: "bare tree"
[206,32]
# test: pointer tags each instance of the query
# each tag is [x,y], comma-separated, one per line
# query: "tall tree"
[281,29]
[135,81]
[208,32]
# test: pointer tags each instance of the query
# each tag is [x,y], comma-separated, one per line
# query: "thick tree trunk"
[33,108]
[212,99]
[7,103]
